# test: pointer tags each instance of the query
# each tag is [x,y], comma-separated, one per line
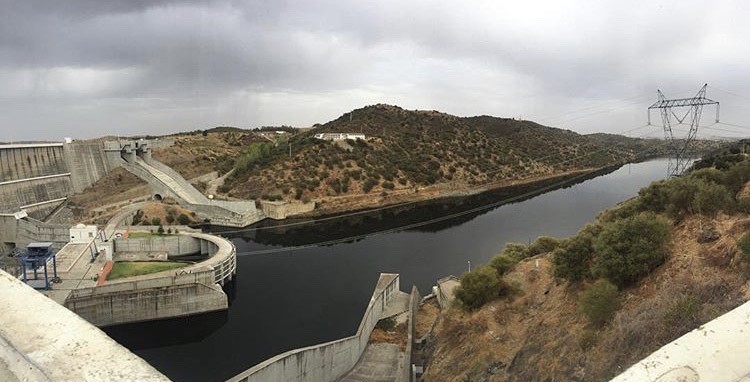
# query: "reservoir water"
[291,292]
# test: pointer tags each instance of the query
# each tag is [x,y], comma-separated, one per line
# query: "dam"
[37,179]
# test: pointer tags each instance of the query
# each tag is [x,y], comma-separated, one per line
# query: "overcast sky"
[86,68]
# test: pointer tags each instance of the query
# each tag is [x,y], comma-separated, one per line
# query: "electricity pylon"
[678,145]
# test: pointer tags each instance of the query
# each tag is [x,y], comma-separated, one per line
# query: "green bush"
[516,251]
[711,198]
[572,259]
[599,302]
[744,245]
[543,244]
[478,287]
[629,249]
[502,263]
[369,184]
[737,175]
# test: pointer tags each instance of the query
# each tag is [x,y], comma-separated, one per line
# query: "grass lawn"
[122,269]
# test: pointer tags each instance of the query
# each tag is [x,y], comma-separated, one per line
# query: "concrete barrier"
[327,361]
[174,245]
[42,341]
[279,210]
[148,299]
[414,299]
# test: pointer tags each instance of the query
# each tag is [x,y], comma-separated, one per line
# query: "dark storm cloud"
[175,65]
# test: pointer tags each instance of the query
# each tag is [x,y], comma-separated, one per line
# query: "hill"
[413,154]
[587,307]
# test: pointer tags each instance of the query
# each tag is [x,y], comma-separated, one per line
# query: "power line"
[593,107]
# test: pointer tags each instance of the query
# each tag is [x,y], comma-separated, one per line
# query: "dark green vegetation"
[744,245]
[599,302]
[626,243]
[486,283]
[408,149]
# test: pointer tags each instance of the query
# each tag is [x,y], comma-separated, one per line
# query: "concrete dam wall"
[38,177]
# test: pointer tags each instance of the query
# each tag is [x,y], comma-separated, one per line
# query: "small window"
[91,234]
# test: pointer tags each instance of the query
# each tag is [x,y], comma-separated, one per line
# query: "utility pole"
[679,162]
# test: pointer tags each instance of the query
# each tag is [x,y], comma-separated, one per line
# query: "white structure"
[339,136]
[82,234]
[716,352]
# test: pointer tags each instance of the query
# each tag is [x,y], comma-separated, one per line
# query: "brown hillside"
[540,334]
[416,151]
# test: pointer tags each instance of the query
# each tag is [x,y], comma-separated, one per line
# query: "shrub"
[156,221]
[516,251]
[629,249]
[478,287]
[183,219]
[683,314]
[369,184]
[160,230]
[388,185]
[599,302]
[502,263]
[572,259]
[744,245]
[712,198]
[543,244]
[737,176]
[386,324]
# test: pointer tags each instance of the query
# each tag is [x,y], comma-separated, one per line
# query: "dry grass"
[397,335]
[426,316]
[543,335]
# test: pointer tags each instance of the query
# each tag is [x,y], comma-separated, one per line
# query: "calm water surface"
[302,296]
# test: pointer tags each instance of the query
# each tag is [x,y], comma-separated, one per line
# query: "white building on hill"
[339,136]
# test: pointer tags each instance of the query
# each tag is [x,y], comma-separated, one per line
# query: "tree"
[543,244]
[599,302]
[478,287]
[502,263]
[630,248]
[712,198]
[572,259]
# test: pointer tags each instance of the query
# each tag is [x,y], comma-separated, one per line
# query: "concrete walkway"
[382,362]
[41,340]
[398,304]
[379,363]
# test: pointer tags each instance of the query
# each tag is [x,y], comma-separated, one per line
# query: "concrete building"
[81,233]
[339,136]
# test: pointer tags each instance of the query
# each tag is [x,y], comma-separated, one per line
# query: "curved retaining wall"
[148,299]
[173,293]
[327,361]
